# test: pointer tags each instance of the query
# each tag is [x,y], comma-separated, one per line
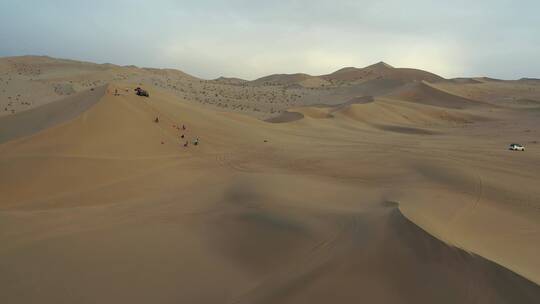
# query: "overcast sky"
[249,39]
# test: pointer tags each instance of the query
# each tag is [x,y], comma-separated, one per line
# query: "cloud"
[250,39]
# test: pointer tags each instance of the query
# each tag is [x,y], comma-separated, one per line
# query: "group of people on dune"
[183,129]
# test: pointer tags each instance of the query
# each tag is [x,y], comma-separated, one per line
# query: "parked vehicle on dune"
[516,147]
[141,92]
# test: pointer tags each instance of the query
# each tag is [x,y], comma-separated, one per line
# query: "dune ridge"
[48,115]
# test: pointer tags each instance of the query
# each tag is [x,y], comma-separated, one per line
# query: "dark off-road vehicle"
[141,92]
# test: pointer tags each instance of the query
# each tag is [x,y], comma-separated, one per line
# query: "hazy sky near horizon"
[249,39]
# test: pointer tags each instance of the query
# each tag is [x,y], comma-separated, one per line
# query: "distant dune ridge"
[376,184]
[382,70]
[30,81]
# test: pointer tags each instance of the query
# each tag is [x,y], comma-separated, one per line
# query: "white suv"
[517,147]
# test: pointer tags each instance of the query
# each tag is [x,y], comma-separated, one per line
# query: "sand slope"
[37,119]
[425,93]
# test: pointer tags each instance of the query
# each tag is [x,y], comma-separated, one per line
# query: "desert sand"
[367,185]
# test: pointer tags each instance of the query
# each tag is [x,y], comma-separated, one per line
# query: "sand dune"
[28,82]
[230,80]
[295,80]
[403,251]
[286,117]
[383,113]
[379,71]
[382,71]
[427,94]
[51,114]
[465,80]
[405,196]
